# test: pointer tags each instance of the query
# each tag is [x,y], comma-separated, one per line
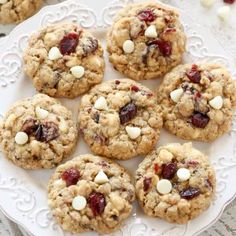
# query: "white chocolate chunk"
[151,31]
[21,138]
[175,95]
[41,113]
[101,178]
[101,104]
[183,174]
[133,132]
[79,203]
[128,46]
[54,54]
[207,3]
[164,186]
[63,126]
[223,13]
[3,1]
[77,71]
[216,102]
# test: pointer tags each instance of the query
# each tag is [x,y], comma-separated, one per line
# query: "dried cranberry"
[169,30]
[165,47]
[30,126]
[190,193]
[146,184]
[169,170]
[156,168]
[229,1]
[69,43]
[127,113]
[194,75]
[117,82]
[200,120]
[71,176]
[47,131]
[90,46]
[147,15]
[97,203]
[135,88]
[192,163]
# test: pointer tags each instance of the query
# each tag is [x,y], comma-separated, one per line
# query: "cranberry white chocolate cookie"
[64,60]
[120,119]
[198,101]
[15,11]
[146,40]
[37,132]
[175,183]
[90,193]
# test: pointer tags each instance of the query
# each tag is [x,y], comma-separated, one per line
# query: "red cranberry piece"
[192,163]
[97,203]
[147,15]
[117,82]
[190,193]
[200,120]
[146,184]
[169,30]
[135,88]
[30,126]
[47,131]
[165,47]
[229,1]
[156,168]
[194,75]
[69,43]
[169,170]
[71,176]
[127,113]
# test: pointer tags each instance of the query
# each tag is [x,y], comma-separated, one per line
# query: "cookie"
[198,101]
[90,193]
[64,60]
[175,183]
[15,11]
[146,40]
[120,119]
[37,132]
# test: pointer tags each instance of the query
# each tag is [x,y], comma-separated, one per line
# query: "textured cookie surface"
[198,101]
[82,201]
[146,40]
[14,11]
[120,119]
[64,60]
[183,176]
[37,132]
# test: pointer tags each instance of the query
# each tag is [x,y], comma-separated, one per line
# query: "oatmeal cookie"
[15,11]
[197,101]
[146,40]
[90,193]
[120,119]
[175,183]
[64,60]
[37,132]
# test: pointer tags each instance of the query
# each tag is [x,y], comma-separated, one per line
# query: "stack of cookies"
[120,119]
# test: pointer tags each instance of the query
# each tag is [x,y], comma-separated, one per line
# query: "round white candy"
[54,54]
[133,132]
[164,186]
[21,138]
[207,3]
[223,13]
[183,174]
[175,95]
[77,71]
[41,113]
[101,178]
[128,46]
[216,102]
[101,104]
[79,203]
[151,31]
[3,1]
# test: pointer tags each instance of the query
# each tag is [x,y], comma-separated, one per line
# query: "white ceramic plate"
[23,193]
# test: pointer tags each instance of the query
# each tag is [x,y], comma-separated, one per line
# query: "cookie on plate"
[120,119]
[175,183]
[198,101]
[146,40]
[64,60]
[37,132]
[15,11]
[90,193]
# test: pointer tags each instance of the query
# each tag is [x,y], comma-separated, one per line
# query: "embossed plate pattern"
[23,193]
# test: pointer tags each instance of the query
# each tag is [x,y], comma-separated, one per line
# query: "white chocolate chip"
[133,132]
[77,71]
[101,178]
[128,46]
[223,13]
[101,104]
[41,113]
[164,186]
[59,183]
[216,102]
[63,126]
[207,3]
[183,174]
[54,54]
[151,31]
[176,94]
[3,1]
[79,203]
[21,138]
